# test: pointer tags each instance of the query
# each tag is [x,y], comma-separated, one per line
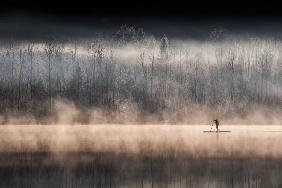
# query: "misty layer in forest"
[134,77]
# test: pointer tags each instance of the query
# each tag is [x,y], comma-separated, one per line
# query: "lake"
[140,156]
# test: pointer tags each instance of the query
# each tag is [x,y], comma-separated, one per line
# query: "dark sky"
[38,19]
[146,8]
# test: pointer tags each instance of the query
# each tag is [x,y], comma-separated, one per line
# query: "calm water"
[140,156]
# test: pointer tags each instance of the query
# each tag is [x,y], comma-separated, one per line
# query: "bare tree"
[49,51]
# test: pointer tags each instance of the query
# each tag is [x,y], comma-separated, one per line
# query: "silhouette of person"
[216,124]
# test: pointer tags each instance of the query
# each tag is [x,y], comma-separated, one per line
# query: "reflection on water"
[140,156]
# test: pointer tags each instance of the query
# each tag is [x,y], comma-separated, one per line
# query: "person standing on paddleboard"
[216,124]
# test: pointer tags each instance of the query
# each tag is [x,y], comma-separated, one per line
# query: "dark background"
[176,18]
[146,8]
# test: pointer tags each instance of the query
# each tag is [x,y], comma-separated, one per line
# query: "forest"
[134,77]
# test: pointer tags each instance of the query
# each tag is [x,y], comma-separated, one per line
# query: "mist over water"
[242,141]
[140,156]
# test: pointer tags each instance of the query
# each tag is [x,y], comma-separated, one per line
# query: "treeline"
[156,75]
